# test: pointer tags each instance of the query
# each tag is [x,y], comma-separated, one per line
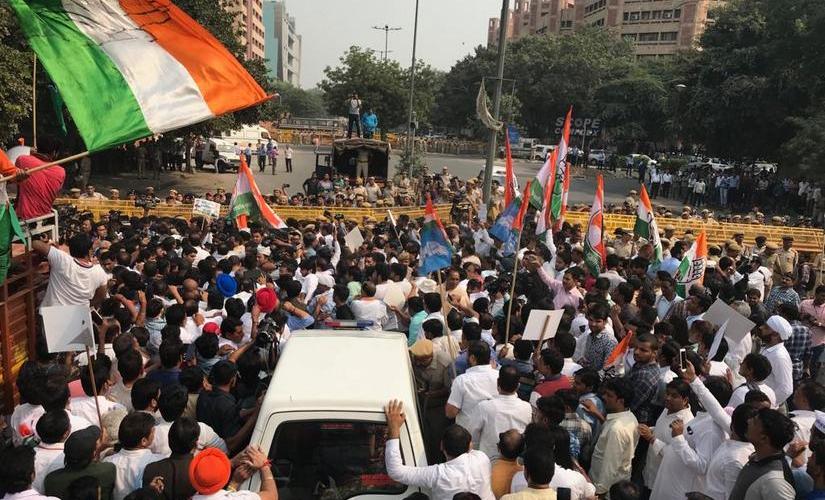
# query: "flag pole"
[513,284]
[443,292]
[34,100]
[47,165]
[94,385]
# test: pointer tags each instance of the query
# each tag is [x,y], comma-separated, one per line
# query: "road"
[581,189]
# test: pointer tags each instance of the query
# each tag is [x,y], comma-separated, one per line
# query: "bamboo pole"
[34,100]
[94,385]
[47,165]
[513,286]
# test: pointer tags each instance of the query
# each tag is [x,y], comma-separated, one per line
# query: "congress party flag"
[692,268]
[595,252]
[646,226]
[133,68]
[510,221]
[248,202]
[560,183]
[510,186]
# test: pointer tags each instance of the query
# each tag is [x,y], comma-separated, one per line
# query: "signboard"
[542,324]
[578,126]
[514,134]
[206,208]
[68,328]
[354,239]
[737,325]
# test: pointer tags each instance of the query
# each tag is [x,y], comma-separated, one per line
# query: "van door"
[332,455]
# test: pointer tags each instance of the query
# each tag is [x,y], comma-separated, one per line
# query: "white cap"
[781,326]
[325,280]
[264,250]
[820,421]
[428,286]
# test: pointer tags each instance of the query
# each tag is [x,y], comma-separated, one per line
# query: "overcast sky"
[447,30]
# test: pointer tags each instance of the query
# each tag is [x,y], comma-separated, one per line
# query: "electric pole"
[502,47]
[386,29]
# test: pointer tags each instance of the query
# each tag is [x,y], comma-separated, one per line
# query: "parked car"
[328,427]
[596,157]
[219,155]
[542,151]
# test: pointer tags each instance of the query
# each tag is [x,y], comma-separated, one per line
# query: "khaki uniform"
[624,250]
[786,261]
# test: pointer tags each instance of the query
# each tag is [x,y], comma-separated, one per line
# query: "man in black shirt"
[220,410]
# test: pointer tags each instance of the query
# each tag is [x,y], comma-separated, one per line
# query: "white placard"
[68,328]
[536,324]
[354,239]
[206,208]
[738,326]
[717,339]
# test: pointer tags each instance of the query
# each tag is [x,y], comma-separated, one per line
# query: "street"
[581,189]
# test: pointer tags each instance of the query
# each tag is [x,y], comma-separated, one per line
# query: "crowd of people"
[680,414]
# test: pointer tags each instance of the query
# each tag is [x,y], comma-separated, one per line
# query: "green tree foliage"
[294,101]
[381,85]
[757,81]
[15,77]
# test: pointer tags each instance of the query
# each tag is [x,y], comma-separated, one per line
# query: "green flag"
[9,228]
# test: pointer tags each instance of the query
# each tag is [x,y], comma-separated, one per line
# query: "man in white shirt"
[477,384]
[85,406]
[502,413]
[672,262]
[755,369]
[614,450]
[668,298]
[136,433]
[172,403]
[369,308]
[17,474]
[466,470]
[53,429]
[773,335]
[74,279]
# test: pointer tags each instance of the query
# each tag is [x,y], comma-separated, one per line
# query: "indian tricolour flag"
[595,252]
[133,68]
[692,268]
[248,203]
[647,228]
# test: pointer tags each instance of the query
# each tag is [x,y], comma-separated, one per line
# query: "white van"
[220,155]
[248,134]
[322,420]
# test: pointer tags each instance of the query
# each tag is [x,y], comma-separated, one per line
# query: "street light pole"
[386,29]
[502,46]
[410,129]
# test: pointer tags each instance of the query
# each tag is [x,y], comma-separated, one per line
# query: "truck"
[524,148]
[325,430]
[248,134]
[219,154]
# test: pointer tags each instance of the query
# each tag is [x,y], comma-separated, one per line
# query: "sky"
[447,30]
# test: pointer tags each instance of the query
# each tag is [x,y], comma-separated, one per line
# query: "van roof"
[340,369]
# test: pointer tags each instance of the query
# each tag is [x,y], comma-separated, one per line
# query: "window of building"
[346,454]
[626,16]
[567,24]
[669,36]
[677,13]
[667,14]
[598,22]
[656,14]
[634,16]
[645,15]
[648,37]
[631,37]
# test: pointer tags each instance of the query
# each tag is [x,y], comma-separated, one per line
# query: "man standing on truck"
[353,114]
[370,123]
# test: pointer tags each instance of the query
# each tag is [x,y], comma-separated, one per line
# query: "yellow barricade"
[806,239]
[99,208]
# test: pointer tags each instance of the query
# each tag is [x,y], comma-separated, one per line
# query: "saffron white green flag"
[647,228]
[692,268]
[248,203]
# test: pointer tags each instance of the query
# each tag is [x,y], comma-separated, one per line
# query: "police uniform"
[786,261]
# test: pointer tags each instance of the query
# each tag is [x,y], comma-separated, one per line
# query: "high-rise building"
[656,28]
[249,16]
[282,43]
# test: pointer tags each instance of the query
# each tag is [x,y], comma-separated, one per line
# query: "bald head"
[510,444]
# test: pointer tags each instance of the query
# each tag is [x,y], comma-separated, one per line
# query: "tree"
[378,83]
[761,62]
[294,101]
[456,99]
[15,77]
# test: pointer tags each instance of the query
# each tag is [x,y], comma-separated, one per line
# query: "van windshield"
[265,135]
[331,459]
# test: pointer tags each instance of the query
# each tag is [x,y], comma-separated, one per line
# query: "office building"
[656,28]
[282,43]
[249,15]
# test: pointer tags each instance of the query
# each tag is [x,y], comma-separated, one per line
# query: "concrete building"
[249,16]
[657,28]
[282,43]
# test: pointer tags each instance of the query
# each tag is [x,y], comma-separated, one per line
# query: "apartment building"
[282,43]
[656,28]
[249,15]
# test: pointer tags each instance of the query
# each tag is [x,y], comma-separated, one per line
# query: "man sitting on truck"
[466,469]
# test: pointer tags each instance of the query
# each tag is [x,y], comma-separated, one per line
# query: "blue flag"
[503,227]
[436,252]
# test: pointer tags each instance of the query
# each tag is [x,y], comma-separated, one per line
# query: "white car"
[325,429]
[542,151]
[500,173]
[220,155]
[597,157]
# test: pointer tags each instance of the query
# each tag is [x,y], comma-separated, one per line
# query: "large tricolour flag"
[133,68]
[647,228]
[595,252]
[248,202]
[560,185]
[436,252]
[692,268]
